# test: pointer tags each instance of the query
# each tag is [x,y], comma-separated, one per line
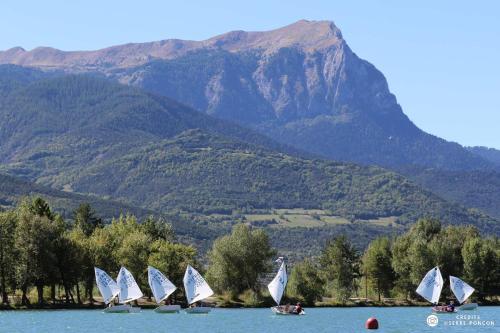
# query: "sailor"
[451,307]
[298,308]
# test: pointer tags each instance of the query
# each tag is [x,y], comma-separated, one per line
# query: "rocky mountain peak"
[308,35]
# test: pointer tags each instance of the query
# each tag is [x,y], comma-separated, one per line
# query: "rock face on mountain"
[490,154]
[301,85]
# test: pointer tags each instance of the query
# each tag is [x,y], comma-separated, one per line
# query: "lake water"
[399,319]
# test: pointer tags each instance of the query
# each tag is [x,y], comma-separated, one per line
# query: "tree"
[377,266]
[412,255]
[306,282]
[86,219]
[401,264]
[34,242]
[158,228]
[482,265]
[340,262]
[100,251]
[7,253]
[446,248]
[425,229]
[133,253]
[237,260]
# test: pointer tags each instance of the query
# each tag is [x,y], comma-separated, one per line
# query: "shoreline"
[147,306]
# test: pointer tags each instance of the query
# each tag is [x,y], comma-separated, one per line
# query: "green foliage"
[172,259]
[86,219]
[158,228]
[13,190]
[458,251]
[38,249]
[133,253]
[180,159]
[377,266]
[306,283]
[34,237]
[7,253]
[476,189]
[481,265]
[237,260]
[341,265]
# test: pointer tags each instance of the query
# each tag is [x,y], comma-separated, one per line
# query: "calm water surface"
[402,319]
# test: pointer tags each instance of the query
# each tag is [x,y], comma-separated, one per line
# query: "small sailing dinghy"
[161,288]
[129,292]
[107,286]
[430,288]
[277,288]
[462,291]
[196,289]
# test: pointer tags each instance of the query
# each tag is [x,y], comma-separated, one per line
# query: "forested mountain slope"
[89,135]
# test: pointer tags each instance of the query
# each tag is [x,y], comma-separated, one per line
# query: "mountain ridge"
[305,33]
[301,85]
[98,137]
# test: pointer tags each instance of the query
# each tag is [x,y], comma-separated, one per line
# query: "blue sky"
[441,58]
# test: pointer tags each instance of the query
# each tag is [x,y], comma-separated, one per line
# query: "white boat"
[462,292]
[468,306]
[277,288]
[122,308]
[430,288]
[161,288]
[128,292]
[196,289]
[107,287]
[175,308]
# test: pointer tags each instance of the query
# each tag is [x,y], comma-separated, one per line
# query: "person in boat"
[298,308]
[287,308]
[451,307]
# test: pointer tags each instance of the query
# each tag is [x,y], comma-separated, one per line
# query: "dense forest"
[88,135]
[45,259]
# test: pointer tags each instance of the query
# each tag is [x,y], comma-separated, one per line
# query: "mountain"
[89,135]
[12,189]
[479,189]
[300,85]
[490,154]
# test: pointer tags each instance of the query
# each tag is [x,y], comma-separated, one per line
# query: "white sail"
[129,290]
[160,285]
[431,285]
[195,285]
[278,284]
[461,289]
[107,286]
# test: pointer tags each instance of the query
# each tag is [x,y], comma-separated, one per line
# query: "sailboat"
[129,292]
[462,291]
[161,288]
[106,285]
[277,288]
[430,288]
[196,289]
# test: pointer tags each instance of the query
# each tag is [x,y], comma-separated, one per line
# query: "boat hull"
[468,307]
[443,310]
[168,309]
[198,310]
[123,308]
[280,310]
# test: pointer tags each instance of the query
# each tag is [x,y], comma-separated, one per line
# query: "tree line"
[393,267]
[40,250]
[41,253]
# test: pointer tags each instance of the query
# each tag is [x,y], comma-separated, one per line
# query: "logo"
[432,320]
